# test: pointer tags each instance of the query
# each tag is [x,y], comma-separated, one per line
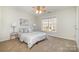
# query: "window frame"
[49,24]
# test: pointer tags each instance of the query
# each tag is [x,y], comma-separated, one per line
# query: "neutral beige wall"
[38,23]
[12,15]
[0,22]
[65,23]
[77,26]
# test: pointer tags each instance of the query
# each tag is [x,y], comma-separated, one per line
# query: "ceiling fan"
[39,9]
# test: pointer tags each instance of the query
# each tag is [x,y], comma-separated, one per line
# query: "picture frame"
[23,22]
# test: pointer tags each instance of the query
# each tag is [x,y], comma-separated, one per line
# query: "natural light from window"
[49,25]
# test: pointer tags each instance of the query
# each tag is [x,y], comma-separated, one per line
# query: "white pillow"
[30,30]
[23,30]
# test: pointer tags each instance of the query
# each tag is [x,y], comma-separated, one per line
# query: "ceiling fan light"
[40,12]
[39,9]
[37,12]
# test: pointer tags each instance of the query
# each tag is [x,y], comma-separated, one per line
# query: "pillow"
[30,30]
[23,30]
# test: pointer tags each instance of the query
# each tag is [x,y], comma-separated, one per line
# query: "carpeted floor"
[53,44]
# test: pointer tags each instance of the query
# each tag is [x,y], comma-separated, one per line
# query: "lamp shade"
[34,24]
[13,25]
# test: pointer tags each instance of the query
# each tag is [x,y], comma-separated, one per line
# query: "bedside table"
[14,35]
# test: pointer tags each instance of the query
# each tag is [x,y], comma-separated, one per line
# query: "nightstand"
[14,35]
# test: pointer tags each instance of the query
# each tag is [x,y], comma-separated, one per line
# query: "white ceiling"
[49,9]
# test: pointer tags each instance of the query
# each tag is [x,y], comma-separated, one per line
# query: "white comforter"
[32,37]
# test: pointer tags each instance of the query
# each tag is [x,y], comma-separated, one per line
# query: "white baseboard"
[60,37]
[4,39]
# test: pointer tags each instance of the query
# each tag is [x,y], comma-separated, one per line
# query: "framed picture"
[24,22]
[24,25]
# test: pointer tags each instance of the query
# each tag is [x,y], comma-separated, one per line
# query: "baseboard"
[4,40]
[60,37]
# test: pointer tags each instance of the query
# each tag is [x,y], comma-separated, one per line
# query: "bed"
[27,34]
[32,38]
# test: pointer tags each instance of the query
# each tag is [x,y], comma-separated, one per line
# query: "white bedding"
[32,37]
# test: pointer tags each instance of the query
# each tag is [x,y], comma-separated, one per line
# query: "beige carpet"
[53,44]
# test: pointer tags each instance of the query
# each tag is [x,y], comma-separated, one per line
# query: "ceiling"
[49,9]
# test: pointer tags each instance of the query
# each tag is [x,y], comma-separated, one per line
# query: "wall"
[65,23]
[12,15]
[77,26]
[0,22]
[38,23]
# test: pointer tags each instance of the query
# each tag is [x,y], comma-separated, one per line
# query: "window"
[49,25]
